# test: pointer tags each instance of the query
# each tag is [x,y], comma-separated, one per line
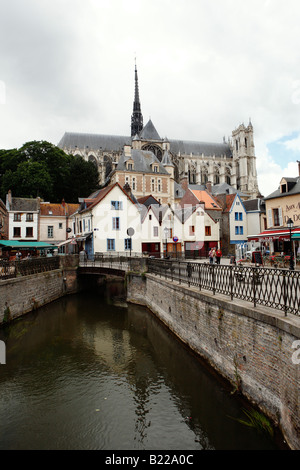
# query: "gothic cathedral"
[231,162]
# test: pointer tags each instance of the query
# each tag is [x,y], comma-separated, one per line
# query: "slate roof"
[254,205]
[143,161]
[24,204]
[149,132]
[293,188]
[109,143]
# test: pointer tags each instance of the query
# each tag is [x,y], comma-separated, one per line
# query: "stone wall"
[252,348]
[23,294]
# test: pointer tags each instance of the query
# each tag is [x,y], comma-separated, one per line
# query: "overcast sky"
[204,67]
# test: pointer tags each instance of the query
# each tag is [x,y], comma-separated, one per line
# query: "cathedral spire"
[136,117]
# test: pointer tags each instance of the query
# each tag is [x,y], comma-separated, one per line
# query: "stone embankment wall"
[253,348]
[23,294]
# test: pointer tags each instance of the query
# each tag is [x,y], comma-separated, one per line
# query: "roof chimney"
[127,189]
[208,186]
[184,182]
[8,200]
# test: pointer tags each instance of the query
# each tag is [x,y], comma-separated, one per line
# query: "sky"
[204,68]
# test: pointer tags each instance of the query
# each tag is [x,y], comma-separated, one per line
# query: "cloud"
[204,68]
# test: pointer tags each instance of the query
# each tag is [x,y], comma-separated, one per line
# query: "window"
[239,230]
[110,244]
[50,231]
[208,231]
[116,223]
[277,217]
[130,166]
[236,216]
[240,216]
[29,231]
[17,217]
[128,244]
[29,217]
[17,232]
[159,185]
[192,230]
[60,225]
[116,205]
[155,169]
[153,185]
[133,184]
[155,231]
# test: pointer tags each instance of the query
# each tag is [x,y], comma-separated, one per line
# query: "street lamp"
[290,225]
[166,230]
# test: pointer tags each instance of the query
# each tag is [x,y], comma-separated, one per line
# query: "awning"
[16,244]
[83,237]
[279,234]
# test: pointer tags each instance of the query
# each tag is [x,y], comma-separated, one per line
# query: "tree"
[39,168]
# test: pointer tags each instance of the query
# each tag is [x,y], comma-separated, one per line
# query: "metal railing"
[25,267]
[270,287]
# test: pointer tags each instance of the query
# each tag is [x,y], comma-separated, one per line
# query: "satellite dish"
[130,231]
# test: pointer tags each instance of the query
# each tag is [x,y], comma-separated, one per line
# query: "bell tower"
[136,117]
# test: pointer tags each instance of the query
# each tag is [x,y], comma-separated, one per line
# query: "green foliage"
[257,421]
[42,169]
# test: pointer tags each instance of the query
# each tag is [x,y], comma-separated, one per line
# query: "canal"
[90,372]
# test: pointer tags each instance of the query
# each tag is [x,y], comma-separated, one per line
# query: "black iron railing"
[270,287]
[25,267]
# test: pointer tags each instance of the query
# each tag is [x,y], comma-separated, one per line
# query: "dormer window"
[155,168]
[283,188]
[129,166]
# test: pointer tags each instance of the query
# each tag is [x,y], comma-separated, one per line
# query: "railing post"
[231,281]
[179,273]
[254,285]
[285,293]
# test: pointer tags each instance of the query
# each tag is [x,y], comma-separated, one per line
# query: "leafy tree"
[39,168]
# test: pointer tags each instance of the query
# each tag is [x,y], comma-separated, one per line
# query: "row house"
[23,218]
[32,220]
[282,210]
[109,221]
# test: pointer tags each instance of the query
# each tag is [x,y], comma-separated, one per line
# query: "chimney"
[184,182]
[8,200]
[127,150]
[127,189]
[208,186]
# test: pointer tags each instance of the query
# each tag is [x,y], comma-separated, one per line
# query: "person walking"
[211,255]
[218,255]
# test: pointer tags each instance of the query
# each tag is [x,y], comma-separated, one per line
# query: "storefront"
[279,241]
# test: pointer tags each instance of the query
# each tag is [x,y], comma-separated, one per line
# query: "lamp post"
[166,230]
[290,225]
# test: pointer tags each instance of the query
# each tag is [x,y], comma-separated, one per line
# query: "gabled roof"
[204,196]
[293,188]
[24,204]
[143,162]
[149,132]
[63,209]
[101,194]
[147,200]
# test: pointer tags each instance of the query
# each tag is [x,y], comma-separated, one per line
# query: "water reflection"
[83,373]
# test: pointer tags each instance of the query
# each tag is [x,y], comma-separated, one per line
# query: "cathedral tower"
[136,117]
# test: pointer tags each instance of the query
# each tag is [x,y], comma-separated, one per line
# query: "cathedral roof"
[149,132]
[71,140]
[186,147]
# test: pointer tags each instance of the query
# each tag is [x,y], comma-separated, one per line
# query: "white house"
[23,217]
[109,222]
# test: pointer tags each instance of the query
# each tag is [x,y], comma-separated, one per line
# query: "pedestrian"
[218,255]
[211,255]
